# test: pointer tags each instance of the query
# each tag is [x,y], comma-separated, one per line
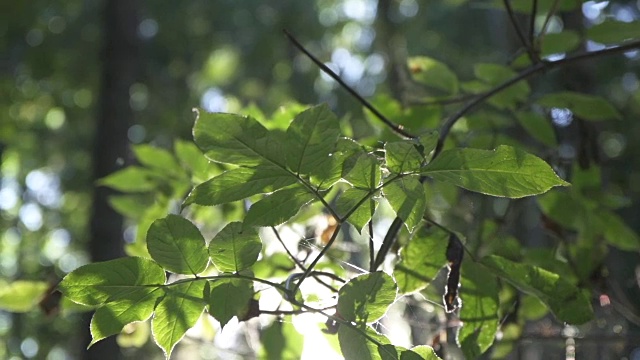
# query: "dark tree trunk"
[120,68]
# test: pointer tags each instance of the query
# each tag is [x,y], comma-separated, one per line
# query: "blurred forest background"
[81,81]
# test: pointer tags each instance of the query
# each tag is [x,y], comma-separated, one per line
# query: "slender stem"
[512,17]
[547,19]
[371,252]
[395,227]
[393,126]
[444,101]
[303,268]
[315,261]
[317,195]
[532,23]
[286,249]
[527,73]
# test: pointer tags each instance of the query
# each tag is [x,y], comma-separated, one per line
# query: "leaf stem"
[512,17]
[393,126]
[315,261]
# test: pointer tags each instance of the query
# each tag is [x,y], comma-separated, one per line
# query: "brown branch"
[398,129]
[532,23]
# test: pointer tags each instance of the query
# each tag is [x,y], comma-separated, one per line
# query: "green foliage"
[292,169]
[587,107]
[506,171]
[21,296]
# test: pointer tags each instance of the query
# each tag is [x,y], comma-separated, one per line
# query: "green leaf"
[365,299]
[350,198]
[421,258]
[176,244]
[278,207]
[310,140]
[539,127]
[365,172]
[402,157]
[157,158]
[564,208]
[281,340]
[132,206]
[229,298]
[345,149]
[406,196]
[240,183]
[131,179]
[192,158]
[355,346]
[235,247]
[103,282]
[611,31]
[235,139]
[567,302]
[422,352]
[428,142]
[558,43]
[506,171]
[544,6]
[178,311]
[433,73]
[587,107]
[495,75]
[617,233]
[110,318]
[21,295]
[479,313]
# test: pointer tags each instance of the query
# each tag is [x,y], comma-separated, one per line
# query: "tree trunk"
[120,69]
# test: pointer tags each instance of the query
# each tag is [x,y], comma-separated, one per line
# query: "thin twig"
[532,23]
[512,17]
[303,268]
[371,252]
[393,126]
[444,101]
[315,261]
[534,69]
[547,19]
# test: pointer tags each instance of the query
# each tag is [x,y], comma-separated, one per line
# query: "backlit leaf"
[421,258]
[110,318]
[278,207]
[229,298]
[568,303]
[402,157]
[365,172]
[177,312]
[311,138]
[235,139]
[352,197]
[131,179]
[103,282]
[479,312]
[406,196]
[176,244]
[281,340]
[505,171]
[366,298]
[355,346]
[235,247]
[21,295]
[157,158]
[240,183]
